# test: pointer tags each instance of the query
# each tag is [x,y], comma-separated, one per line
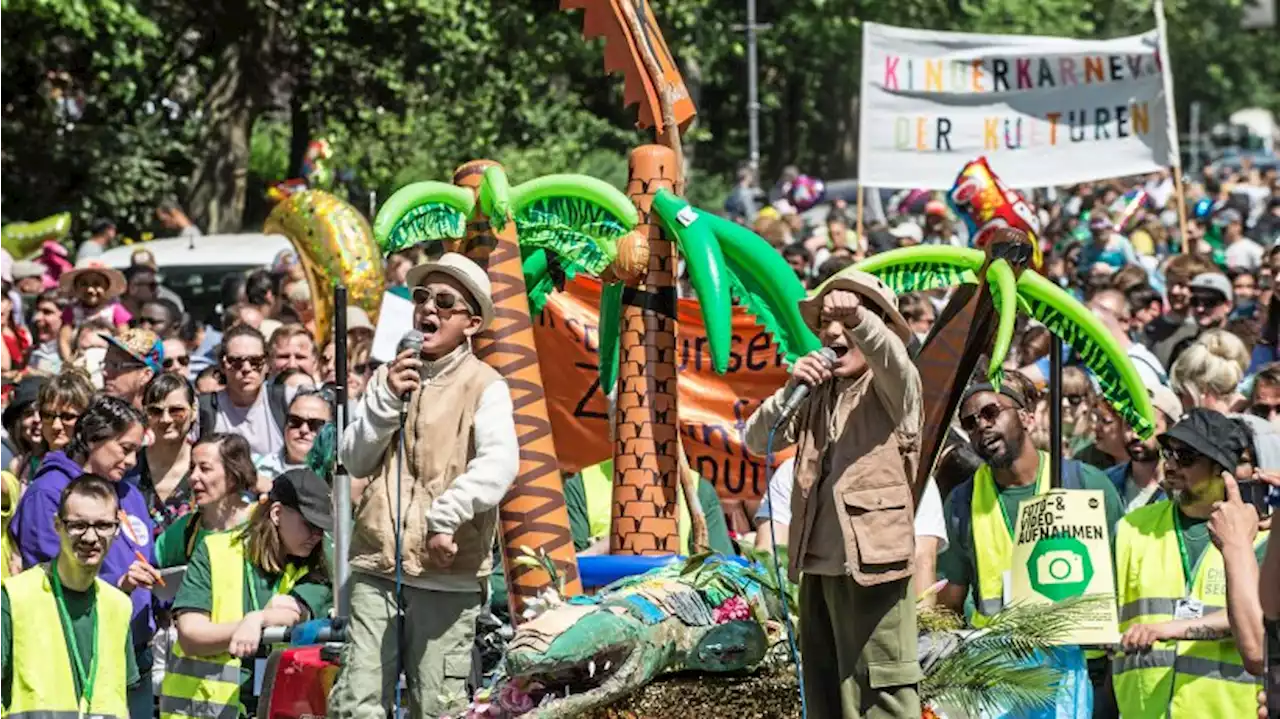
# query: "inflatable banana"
[335,245]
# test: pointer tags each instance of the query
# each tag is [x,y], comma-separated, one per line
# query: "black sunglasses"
[311,423]
[184,360]
[1181,456]
[1205,300]
[988,414]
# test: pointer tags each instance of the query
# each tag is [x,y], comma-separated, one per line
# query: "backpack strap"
[207,413]
[961,517]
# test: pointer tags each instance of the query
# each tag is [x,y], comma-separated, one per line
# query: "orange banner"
[713,408]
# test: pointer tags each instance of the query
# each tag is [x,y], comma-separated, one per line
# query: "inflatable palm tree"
[991,288]
[572,220]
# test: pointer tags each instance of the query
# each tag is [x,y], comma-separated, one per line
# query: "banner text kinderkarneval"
[1043,110]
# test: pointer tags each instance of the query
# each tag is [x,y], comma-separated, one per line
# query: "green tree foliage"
[109,105]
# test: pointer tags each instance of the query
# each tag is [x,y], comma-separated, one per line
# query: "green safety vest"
[43,687]
[209,687]
[1202,678]
[993,541]
[597,484]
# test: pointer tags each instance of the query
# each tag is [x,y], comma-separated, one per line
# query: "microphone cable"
[777,572]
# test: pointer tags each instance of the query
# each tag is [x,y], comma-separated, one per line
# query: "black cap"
[24,395]
[304,491]
[1212,434]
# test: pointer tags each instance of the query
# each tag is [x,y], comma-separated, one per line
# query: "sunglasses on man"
[988,414]
[253,362]
[442,299]
[1181,456]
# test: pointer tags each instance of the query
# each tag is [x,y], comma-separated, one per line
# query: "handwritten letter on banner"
[1044,110]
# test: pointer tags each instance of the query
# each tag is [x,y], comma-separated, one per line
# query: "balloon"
[986,204]
[22,239]
[336,245]
[805,192]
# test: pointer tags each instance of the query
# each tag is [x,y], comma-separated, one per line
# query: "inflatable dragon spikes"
[725,261]
[916,269]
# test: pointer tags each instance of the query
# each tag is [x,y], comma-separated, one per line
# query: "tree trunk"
[645,460]
[220,179]
[533,512]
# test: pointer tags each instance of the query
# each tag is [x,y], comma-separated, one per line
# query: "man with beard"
[981,511]
[1189,607]
[71,654]
[857,440]
[1138,480]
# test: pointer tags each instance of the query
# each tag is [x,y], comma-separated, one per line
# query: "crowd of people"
[1188,508]
[161,492]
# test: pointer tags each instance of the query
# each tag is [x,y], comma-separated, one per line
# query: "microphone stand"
[341,478]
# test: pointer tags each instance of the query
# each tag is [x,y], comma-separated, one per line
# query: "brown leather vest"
[439,443]
[864,488]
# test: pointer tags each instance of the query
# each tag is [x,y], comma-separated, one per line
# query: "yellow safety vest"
[597,483]
[1201,678]
[209,687]
[14,489]
[43,687]
[993,540]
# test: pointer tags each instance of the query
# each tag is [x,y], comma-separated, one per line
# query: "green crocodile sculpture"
[706,614]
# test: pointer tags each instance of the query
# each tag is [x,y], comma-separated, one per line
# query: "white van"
[194,267]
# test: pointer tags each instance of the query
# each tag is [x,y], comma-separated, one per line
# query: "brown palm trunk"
[533,513]
[645,446]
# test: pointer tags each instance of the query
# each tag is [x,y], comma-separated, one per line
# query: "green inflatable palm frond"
[425,223]
[422,212]
[1098,350]
[538,280]
[749,293]
[583,235]
[918,269]
[577,218]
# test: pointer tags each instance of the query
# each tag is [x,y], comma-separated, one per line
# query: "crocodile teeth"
[591,668]
[607,664]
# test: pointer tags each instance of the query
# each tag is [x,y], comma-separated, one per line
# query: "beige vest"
[856,515]
[439,442]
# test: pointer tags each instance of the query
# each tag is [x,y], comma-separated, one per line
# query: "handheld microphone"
[412,340]
[802,391]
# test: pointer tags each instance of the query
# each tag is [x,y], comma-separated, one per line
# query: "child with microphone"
[851,539]
[433,493]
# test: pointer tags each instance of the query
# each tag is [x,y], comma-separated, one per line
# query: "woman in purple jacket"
[108,437]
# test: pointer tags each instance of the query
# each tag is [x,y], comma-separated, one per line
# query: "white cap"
[908,231]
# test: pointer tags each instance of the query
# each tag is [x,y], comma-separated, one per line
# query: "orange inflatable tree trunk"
[533,512]
[645,448]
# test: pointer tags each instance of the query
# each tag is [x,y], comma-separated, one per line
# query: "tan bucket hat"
[869,287]
[115,280]
[468,273]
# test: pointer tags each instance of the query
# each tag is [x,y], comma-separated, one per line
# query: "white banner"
[1043,110]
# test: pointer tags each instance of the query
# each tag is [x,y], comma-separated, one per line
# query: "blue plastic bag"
[1075,694]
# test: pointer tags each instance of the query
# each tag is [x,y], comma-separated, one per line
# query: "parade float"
[644,631]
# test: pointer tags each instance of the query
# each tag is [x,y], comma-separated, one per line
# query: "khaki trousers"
[439,632]
[859,649]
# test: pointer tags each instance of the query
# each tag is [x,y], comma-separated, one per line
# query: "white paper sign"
[395,319]
[1042,110]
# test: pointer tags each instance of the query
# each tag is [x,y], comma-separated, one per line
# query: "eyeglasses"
[171,362]
[1181,456]
[66,417]
[177,414]
[78,528]
[1074,399]
[1265,411]
[255,362]
[312,423]
[443,300]
[988,414]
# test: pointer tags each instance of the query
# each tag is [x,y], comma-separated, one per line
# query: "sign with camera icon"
[1062,551]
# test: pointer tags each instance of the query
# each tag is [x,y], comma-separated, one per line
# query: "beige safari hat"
[868,286]
[468,273]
